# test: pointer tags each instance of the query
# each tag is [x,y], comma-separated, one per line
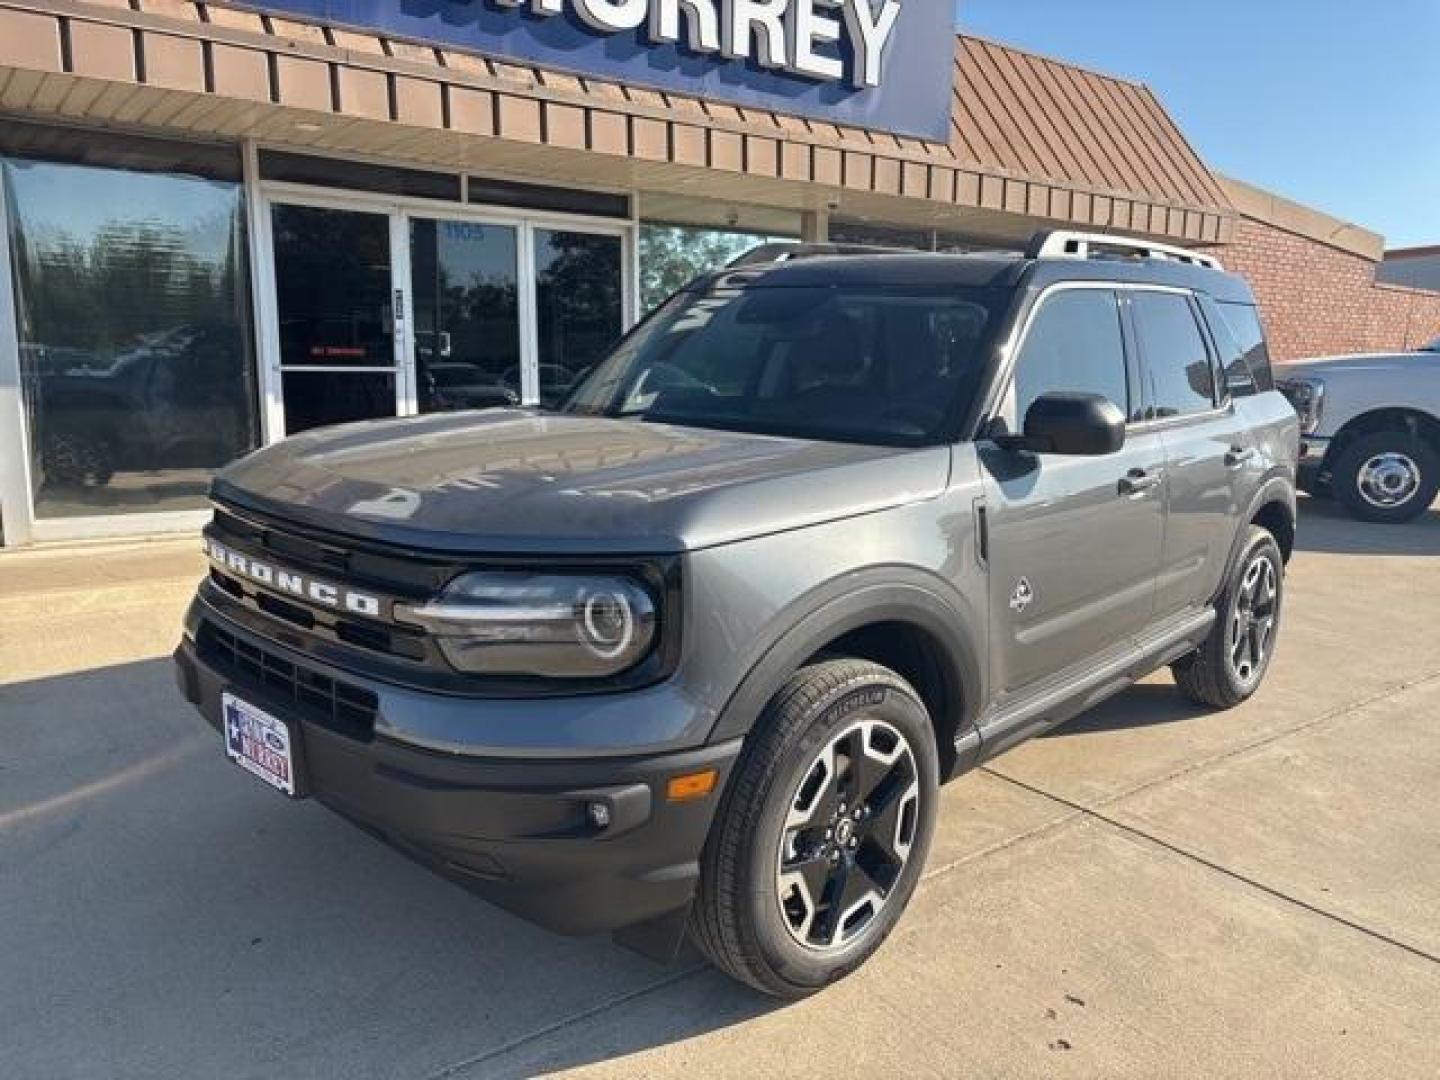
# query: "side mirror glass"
[1076,425]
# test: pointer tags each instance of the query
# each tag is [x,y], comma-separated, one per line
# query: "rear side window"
[1074,345]
[1176,358]
[1247,370]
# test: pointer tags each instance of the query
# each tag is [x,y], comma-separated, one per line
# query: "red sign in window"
[338,352]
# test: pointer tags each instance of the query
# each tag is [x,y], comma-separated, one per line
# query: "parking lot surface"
[1149,891]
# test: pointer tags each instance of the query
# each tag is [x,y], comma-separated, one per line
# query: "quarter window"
[1250,372]
[1074,345]
[1177,361]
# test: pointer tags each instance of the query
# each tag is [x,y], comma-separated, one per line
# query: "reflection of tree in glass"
[128,283]
[671,257]
[579,284]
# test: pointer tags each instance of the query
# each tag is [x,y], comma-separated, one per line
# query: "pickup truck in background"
[1370,430]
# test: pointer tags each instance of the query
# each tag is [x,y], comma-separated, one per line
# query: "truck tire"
[822,834]
[1230,666]
[1387,477]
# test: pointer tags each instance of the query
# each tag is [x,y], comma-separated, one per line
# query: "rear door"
[1075,542]
[1209,453]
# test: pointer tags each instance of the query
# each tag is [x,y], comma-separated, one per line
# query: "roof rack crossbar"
[788,251]
[1065,244]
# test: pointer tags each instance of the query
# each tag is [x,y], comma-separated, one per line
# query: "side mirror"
[1078,425]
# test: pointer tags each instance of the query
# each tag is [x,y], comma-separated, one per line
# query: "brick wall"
[1318,300]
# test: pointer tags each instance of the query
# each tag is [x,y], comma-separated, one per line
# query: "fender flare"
[888,594]
[1277,489]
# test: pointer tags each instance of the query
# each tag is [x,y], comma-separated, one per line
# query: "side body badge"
[1022,597]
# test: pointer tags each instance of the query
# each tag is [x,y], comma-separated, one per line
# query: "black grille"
[338,705]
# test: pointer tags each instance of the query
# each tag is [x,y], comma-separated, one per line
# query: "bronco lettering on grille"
[287,581]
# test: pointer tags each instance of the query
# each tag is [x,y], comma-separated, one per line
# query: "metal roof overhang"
[1033,140]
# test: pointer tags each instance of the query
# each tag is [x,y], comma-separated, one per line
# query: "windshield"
[850,363]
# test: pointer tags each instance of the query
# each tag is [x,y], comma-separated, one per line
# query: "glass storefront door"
[580,304]
[465,296]
[383,310]
[335,306]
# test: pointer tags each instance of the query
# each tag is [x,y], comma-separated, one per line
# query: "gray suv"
[695,651]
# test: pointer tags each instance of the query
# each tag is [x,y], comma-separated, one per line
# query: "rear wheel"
[1387,477]
[824,830]
[1230,666]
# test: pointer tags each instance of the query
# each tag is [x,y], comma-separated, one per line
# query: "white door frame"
[401,211]
[15,491]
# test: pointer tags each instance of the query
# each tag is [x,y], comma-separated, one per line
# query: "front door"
[382,309]
[1075,542]
[466,337]
[335,304]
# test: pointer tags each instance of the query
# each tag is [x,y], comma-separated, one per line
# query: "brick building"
[222,223]
[1316,280]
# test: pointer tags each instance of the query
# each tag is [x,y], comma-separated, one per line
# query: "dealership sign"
[880,64]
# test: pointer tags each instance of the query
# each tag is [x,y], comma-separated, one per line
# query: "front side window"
[1074,345]
[1177,360]
[851,363]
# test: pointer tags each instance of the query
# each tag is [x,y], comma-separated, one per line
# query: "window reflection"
[131,304]
[672,256]
[467,315]
[580,309]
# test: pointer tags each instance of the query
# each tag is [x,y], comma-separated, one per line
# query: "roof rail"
[1064,244]
[788,250]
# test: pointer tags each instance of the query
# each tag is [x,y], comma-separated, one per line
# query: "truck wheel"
[823,831]
[1230,666]
[1387,477]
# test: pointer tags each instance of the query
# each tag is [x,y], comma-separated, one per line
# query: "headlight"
[1308,398]
[557,626]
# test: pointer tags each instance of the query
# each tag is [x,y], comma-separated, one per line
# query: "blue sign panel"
[879,64]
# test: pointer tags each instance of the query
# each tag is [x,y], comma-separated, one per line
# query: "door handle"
[1138,482]
[1238,456]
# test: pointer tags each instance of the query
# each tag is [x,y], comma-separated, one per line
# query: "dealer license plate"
[259,743]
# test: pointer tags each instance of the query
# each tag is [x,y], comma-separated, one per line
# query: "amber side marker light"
[690,786]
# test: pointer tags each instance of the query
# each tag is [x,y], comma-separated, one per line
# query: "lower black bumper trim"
[518,832]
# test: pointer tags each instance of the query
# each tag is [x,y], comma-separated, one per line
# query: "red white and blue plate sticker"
[259,743]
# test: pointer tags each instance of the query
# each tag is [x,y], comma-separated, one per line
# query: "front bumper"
[1310,467]
[518,832]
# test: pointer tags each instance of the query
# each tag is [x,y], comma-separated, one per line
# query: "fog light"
[599,814]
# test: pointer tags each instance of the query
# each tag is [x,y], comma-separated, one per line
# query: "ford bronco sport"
[695,651]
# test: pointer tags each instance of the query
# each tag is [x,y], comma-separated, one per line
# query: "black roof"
[977,270]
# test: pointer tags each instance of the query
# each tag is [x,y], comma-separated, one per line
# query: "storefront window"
[848,231]
[579,283]
[132,311]
[671,256]
[467,314]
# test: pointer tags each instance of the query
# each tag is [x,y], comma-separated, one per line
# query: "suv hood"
[517,482]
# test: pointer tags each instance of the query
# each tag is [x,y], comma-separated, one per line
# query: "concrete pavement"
[1150,891]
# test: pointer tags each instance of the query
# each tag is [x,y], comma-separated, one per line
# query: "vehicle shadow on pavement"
[1326,528]
[1142,705]
[167,915]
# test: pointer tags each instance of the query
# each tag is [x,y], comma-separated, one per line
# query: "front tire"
[823,832]
[1389,477]
[1230,666]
